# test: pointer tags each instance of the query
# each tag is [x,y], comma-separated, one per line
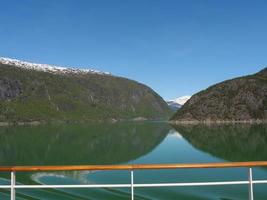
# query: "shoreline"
[43,122]
[252,121]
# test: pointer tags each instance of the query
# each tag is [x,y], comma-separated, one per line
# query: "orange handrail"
[133,167]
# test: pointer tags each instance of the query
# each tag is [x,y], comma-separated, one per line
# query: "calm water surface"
[131,143]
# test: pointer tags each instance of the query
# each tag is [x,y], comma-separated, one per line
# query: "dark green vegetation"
[229,142]
[239,99]
[78,144]
[29,95]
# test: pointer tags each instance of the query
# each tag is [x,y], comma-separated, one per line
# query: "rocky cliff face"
[27,94]
[240,99]
[9,88]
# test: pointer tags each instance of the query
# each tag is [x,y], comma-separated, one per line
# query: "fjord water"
[122,143]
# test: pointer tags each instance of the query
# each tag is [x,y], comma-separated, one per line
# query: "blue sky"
[175,47]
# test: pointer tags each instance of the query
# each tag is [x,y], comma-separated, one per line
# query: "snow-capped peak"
[48,68]
[181,100]
[177,103]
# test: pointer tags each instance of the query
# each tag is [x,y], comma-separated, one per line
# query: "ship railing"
[132,168]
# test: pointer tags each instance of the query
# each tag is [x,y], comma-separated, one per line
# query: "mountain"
[241,99]
[177,103]
[39,92]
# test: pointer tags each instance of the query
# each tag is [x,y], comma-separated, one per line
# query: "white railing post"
[250,186]
[13,183]
[132,185]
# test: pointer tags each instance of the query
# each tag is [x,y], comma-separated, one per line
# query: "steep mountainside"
[240,99]
[34,92]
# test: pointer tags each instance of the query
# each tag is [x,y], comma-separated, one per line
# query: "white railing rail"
[13,186]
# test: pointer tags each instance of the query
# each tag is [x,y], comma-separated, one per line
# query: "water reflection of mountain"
[78,144]
[230,142]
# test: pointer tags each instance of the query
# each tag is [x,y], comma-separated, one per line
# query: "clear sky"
[176,47]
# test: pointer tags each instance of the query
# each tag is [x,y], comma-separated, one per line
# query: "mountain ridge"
[47,67]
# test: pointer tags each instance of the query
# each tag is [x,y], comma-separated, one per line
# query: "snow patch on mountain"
[182,100]
[177,103]
[49,68]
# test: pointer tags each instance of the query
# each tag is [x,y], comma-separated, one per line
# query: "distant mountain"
[240,99]
[39,92]
[177,103]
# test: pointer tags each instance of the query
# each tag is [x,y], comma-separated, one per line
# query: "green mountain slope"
[31,95]
[240,99]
